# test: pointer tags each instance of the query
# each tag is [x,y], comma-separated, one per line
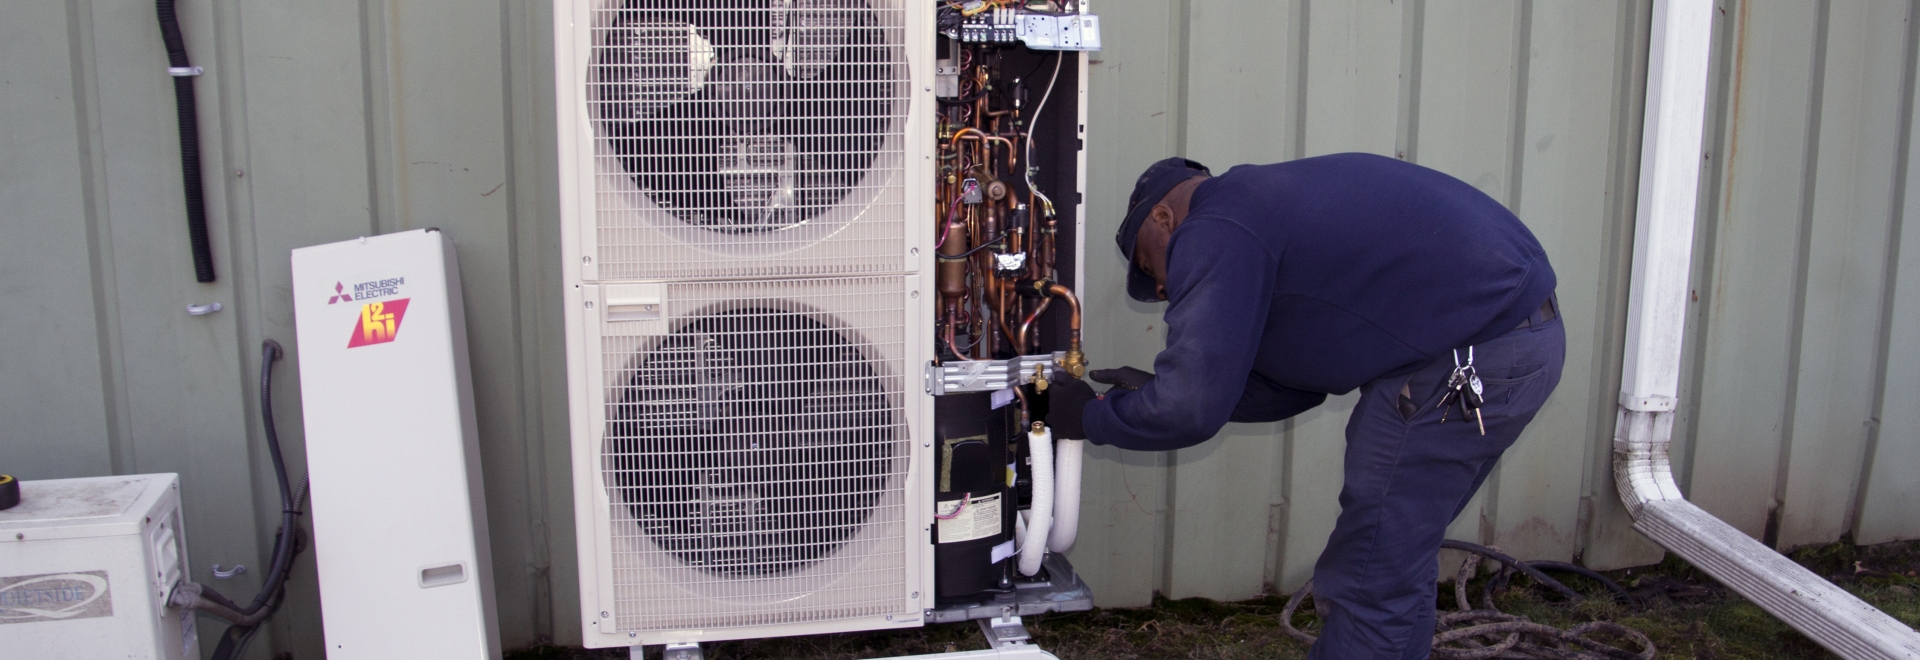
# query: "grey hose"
[196,596]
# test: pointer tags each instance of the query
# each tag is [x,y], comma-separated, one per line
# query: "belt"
[1548,310]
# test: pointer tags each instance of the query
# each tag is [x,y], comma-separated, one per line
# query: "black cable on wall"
[183,74]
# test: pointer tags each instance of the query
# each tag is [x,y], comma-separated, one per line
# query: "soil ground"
[1684,612]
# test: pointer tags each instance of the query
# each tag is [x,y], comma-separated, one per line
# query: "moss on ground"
[1686,613]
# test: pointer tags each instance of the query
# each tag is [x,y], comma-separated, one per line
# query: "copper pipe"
[1025,410]
[950,271]
[983,267]
[951,342]
[1052,250]
[1006,322]
[1076,360]
[1013,155]
[977,135]
[957,135]
[1026,325]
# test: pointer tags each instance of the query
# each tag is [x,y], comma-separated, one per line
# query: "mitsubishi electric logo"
[54,597]
[366,290]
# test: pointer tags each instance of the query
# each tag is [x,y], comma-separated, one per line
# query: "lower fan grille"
[755,455]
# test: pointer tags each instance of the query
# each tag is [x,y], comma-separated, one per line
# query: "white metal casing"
[399,515]
[631,285]
[86,566]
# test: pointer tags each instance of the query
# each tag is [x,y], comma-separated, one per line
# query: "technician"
[1292,281]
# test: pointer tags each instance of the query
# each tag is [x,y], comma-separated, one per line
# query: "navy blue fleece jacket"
[1292,281]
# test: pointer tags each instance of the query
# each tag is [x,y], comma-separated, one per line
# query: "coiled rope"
[1485,632]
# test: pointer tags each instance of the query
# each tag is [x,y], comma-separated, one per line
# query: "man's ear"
[1161,216]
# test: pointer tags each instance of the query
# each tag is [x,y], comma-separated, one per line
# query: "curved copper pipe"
[1006,324]
[1013,155]
[977,135]
[958,135]
[1025,410]
[1076,361]
[952,342]
[1026,325]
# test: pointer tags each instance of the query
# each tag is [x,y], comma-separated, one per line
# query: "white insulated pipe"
[1040,516]
[1650,374]
[1066,494]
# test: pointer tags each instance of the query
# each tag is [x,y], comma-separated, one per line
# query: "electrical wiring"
[964,501]
[289,542]
[1028,157]
[976,248]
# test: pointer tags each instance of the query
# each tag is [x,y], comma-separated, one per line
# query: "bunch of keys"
[1464,384]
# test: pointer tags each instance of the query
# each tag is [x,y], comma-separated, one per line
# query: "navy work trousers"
[1408,475]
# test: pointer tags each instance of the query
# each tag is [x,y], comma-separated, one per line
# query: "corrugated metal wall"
[325,121]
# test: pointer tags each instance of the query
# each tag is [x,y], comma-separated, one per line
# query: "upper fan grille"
[748,130]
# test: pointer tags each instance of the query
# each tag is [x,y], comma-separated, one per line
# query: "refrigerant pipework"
[1008,321]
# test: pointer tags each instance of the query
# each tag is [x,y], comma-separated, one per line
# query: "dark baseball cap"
[1154,184]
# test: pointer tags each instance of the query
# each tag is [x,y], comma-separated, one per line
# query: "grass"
[1683,611]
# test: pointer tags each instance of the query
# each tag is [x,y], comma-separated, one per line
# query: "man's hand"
[1127,378]
[1066,405]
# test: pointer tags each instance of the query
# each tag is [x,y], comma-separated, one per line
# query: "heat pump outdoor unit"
[86,566]
[749,236]
[742,333]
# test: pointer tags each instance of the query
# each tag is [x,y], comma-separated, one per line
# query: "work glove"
[1121,378]
[1067,406]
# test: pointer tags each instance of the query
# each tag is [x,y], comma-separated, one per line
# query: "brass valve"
[1039,378]
[1075,362]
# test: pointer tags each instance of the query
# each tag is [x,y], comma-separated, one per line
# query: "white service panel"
[399,518]
[86,566]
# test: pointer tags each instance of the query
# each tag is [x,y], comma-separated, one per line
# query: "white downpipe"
[1040,518]
[1066,494]
[1670,155]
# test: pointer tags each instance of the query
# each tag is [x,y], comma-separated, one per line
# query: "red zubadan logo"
[379,322]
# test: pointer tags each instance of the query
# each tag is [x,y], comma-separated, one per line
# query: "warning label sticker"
[968,519]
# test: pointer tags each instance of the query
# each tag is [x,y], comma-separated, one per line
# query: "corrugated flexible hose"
[189,117]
